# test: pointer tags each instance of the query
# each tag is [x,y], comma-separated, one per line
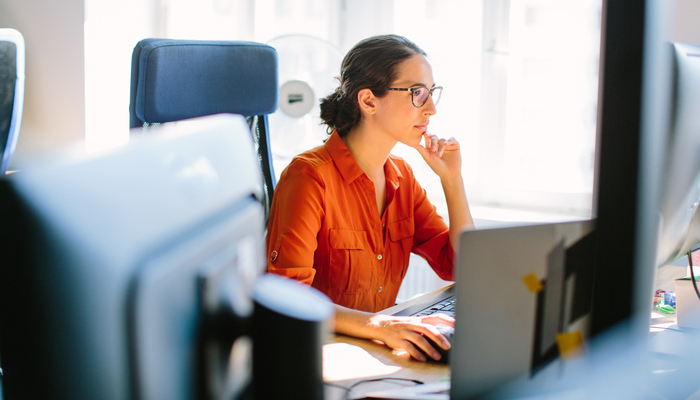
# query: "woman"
[346,215]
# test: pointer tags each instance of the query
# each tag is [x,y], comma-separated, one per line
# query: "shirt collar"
[392,172]
[349,168]
[342,158]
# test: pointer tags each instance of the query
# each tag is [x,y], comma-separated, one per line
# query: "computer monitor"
[680,191]
[11,93]
[647,159]
[115,268]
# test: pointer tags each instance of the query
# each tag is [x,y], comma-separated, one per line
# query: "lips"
[422,127]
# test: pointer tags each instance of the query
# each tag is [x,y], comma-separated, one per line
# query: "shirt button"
[379,256]
[273,255]
[380,289]
[383,225]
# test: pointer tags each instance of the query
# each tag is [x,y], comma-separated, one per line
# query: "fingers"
[431,142]
[422,339]
[416,336]
[437,337]
[437,145]
[419,342]
[439,319]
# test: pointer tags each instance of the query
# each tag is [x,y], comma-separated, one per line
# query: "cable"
[354,385]
[692,274]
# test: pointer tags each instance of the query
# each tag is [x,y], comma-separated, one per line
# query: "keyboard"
[445,306]
[443,301]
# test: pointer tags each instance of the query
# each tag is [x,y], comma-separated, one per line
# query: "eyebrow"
[414,85]
[422,84]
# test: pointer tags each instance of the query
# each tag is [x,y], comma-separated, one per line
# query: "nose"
[429,107]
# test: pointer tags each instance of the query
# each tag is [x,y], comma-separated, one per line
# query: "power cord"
[356,384]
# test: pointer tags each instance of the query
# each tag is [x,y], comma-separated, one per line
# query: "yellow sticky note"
[533,283]
[570,345]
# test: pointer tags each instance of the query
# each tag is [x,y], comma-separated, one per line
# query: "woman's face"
[396,113]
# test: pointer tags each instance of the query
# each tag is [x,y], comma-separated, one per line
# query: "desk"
[348,360]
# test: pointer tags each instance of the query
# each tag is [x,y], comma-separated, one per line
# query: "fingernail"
[399,352]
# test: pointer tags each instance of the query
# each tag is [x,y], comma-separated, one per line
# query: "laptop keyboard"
[445,306]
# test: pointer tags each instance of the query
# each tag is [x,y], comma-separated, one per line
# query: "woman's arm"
[457,208]
[398,333]
[295,220]
[444,158]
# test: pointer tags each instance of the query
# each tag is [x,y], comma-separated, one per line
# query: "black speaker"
[290,321]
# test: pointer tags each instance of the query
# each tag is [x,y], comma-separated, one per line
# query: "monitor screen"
[113,263]
[680,191]
[648,168]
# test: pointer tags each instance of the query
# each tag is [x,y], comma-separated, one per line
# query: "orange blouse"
[325,229]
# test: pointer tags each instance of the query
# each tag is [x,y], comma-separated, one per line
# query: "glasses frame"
[413,93]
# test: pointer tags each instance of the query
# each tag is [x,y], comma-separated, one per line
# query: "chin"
[412,142]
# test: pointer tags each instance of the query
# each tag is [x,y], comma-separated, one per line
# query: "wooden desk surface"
[348,360]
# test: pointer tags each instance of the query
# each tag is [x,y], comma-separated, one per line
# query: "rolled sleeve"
[296,217]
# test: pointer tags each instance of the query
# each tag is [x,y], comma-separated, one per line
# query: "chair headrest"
[178,79]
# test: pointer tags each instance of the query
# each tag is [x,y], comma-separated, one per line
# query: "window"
[539,101]
[520,79]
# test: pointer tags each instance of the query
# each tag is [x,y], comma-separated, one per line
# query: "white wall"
[54,104]
[687,29]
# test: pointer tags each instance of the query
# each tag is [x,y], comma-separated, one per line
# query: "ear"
[367,101]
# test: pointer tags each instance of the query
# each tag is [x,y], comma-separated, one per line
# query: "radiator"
[419,279]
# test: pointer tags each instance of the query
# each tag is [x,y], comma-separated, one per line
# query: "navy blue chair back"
[172,80]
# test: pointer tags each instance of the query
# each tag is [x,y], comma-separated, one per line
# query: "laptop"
[522,293]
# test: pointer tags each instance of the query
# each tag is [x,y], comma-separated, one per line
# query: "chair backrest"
[11,92]
[172,80]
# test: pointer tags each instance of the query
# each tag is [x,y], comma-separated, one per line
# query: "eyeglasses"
[420,94]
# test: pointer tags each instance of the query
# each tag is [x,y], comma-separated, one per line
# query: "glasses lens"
[420,96]
[437,92]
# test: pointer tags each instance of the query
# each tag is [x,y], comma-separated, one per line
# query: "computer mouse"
[447,332]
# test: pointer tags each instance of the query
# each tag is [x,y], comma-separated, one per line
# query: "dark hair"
[370,64]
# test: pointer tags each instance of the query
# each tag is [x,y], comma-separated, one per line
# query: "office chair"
[11,92]
[172,80]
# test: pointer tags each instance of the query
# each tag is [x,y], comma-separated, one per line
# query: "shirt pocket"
[401,242]
[349,266]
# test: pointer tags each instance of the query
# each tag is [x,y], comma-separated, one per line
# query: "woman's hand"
[409,333]
[442,155]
